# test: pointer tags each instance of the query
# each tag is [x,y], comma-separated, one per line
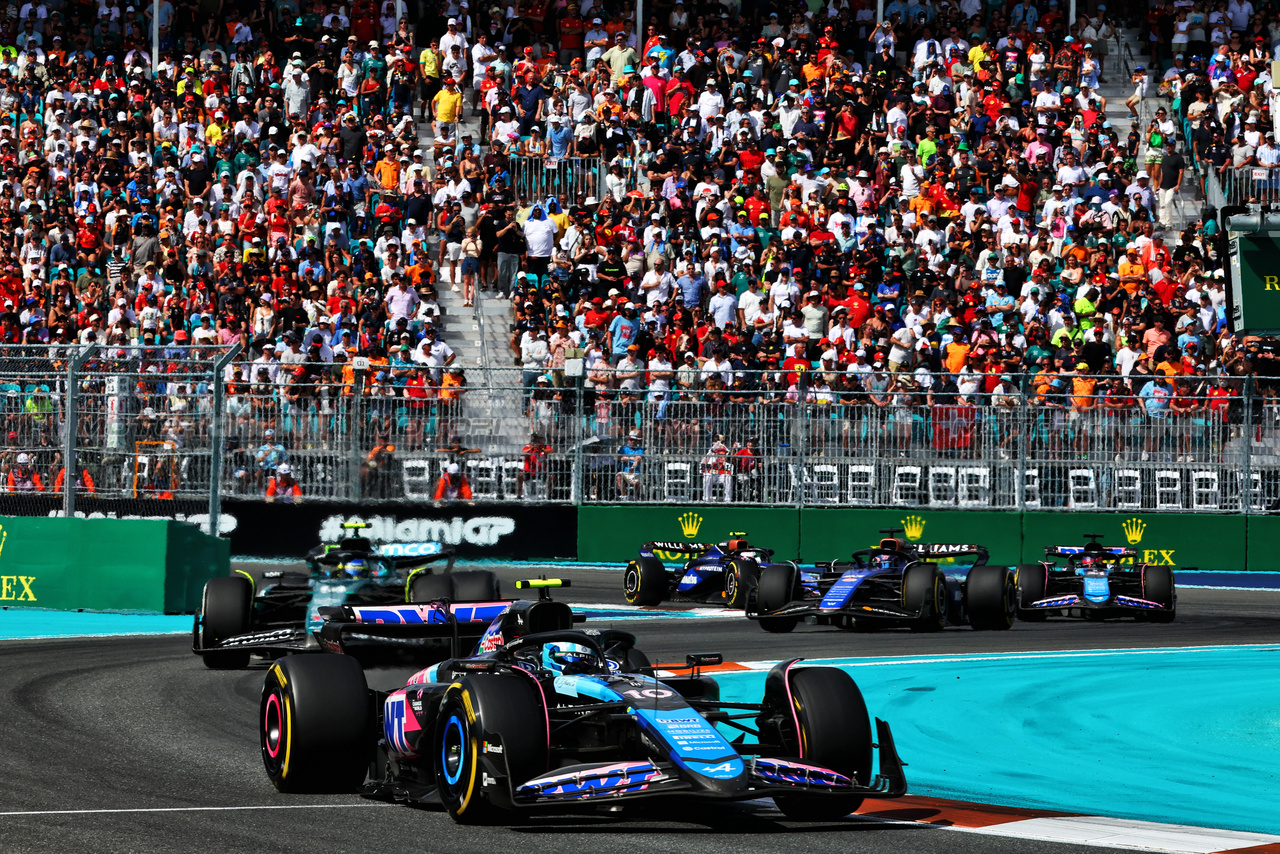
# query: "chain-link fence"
[194,424]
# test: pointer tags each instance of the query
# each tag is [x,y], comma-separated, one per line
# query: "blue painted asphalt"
[35,623]
[1188,736]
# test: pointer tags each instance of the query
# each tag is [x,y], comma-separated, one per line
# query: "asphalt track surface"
[168,751]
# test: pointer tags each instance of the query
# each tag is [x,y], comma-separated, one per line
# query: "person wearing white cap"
[453,37]
[453,485]
[283,486]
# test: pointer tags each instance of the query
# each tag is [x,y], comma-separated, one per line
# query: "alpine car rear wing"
[1075,551]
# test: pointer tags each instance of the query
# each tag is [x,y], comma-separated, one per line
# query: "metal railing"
[574,178]
[151,424]
[1249,185]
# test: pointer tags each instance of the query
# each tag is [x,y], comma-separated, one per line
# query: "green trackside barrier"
[107,564]
[832,534]
[1165,539]
[1262,546]
[614,534]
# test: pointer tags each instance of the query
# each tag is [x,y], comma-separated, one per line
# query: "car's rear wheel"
[644,581]
[991,597]
[508,706]
[1033,580]
[1157,586]
[924,591]
[777,588]
[227,611]
[316,724]
[741,576]
[835,733]
[480,585]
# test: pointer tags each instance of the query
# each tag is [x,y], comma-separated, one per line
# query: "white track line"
[196,809]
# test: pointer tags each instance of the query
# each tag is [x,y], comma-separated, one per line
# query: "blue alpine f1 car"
[1096,582]
[925,587]
[278,612]
[723,573]
[543,717]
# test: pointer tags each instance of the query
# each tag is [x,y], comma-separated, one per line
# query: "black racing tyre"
[740,577]
[316,724]
[227,610]
[480,585]
[476,586]
[644,581]
[425,587]
[506,705]
[836,734]
[775,589]
[1157,586]
[991,597]
[1033,579]
[925,592]
[636,661]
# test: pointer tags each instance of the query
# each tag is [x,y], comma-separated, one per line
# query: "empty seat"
[942,486]
[862,485]
[906,485]
[1082,488]
[1206,490]
[1168,489]
[1126,492]
[1031,489]
[973,486]
[677,483]
[824,483]
[483,476]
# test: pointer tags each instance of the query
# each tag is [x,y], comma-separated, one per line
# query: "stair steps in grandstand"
[1126,53]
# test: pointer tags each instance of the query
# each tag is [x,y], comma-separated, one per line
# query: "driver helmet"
[355,568]
[883,561]
[558,656]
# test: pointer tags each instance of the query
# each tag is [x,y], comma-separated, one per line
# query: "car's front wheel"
[1033,581]
[644,582]
[1157,586]
[227,611]
[834,732]
[740,578]
[475,712]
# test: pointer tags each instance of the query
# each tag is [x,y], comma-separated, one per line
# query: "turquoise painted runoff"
[33,623]
[1186,736]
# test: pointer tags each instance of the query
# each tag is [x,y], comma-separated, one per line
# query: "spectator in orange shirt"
[24,478]
[1082,406]
[283,487]
[453,485]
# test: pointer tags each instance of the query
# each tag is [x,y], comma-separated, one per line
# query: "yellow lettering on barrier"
[1158,557]
[26,594]
[7,586]
[1273,283]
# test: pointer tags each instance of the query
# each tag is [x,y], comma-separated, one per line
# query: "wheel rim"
[631,581]
[939,599]
[273,731]
[453,751]
[731,585]
[1010,597]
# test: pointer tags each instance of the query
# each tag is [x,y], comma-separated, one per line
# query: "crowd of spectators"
[796,198]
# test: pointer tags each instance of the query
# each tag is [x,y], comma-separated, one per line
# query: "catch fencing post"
[215,437]
[71,428]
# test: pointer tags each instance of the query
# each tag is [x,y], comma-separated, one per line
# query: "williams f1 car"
[895,584]
[545,717]
[1096,582]
[722,573]
[279,612]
